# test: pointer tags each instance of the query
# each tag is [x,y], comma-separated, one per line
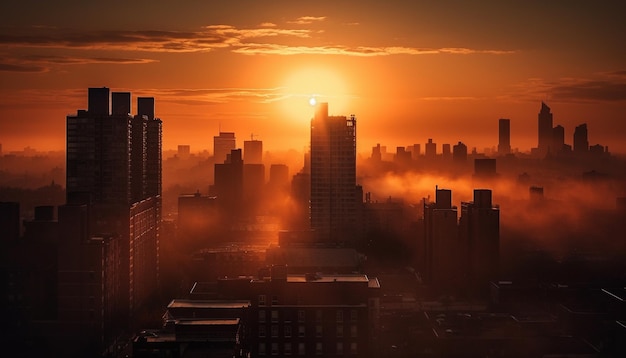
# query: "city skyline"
[446,71]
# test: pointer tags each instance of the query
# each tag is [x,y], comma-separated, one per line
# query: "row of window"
[287,331]
[339,314]
[301,349]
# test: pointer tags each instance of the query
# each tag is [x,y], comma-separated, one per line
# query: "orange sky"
[445,70]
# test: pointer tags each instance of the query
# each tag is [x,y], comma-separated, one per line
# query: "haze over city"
[276,178]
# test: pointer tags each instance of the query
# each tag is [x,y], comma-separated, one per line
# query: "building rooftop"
[328,278]
[208,322]
[182,303]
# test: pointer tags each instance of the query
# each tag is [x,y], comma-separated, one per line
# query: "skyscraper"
[333,176]
[431,149]
[222,145]
[253,151]
[544,129]
[558,139]
[504,136]
[442,246]
[581,143]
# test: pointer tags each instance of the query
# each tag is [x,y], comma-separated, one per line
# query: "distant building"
[485,168]
[253,152]
[446,153]
[376,153]
[402,156]
[558,140]
[222,145]
[431,149]
[184,150]
[459,153]
[504,136]
[279,176]
[581,143]
[544,129]
[333,176]
[229,183]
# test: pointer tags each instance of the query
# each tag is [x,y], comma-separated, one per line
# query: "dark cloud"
[9,67]
[590,90]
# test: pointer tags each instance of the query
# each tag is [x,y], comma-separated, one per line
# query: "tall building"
[544,129]
[558,139]
[581,143]
[479,228]
[459,152]
[333,176]
[504,136]
[229,183]
[431,149]
[253,151]
[222,145]
[114,167]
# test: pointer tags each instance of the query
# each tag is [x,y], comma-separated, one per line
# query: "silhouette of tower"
[581,144]
[333,175]
[459,152]
[431,149]
[222,145]
[504,136]
[558,139]
[544,129]
[253,151]
[229,183]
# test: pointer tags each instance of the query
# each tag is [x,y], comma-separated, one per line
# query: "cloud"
[267,24]
[361,51]
[305,20]
[606,87]
[9,67]
[207,96]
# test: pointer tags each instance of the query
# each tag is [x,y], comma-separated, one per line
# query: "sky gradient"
[409,71]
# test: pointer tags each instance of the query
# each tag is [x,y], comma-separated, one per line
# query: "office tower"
[253,182]
[431,149]
[253,152]
[184,151]
[558,139]
[333,175]
[581,144]
[443,248]
[279,176]
[222,145]
[114,167]
[544,129]
[459,153]
[504,136]
[416,151]
[402,155]
[229,183]
[479,227]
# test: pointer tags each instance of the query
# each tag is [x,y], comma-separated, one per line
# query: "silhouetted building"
[402,156]
[120,103]
[279,176]
[253,152]
[504,136]
[229,183]
[558,140]
[376,154]
[145,107]
[184,150]
[479,227]
[459,153]
[9,221]
[581,143]
[443,249]
[416,151]
[445,151]
[253,182]
[198,218]
[431,149]
[333,175]
[544,129]
[222,145]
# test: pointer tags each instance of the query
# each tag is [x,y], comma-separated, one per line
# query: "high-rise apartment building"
[431,149]
[114,167]
[504,136]
[544,127]
[442,245]
[333,206]
[222,145]
[558,139]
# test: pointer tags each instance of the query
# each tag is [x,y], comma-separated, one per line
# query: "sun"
[307,86]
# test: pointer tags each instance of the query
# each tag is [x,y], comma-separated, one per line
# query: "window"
[318,330]
[353,331]
[354,315]
[274,349]
[287,349]
[274,316]
[339,331]
[301,331]
[301,350]
[262,332]
[261,316]
[301,315]
[339,348]
[287,331]
[318,348]
[261,349]
[261,300]
[274,300]
[274,330]
[353,348]
[339,315]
